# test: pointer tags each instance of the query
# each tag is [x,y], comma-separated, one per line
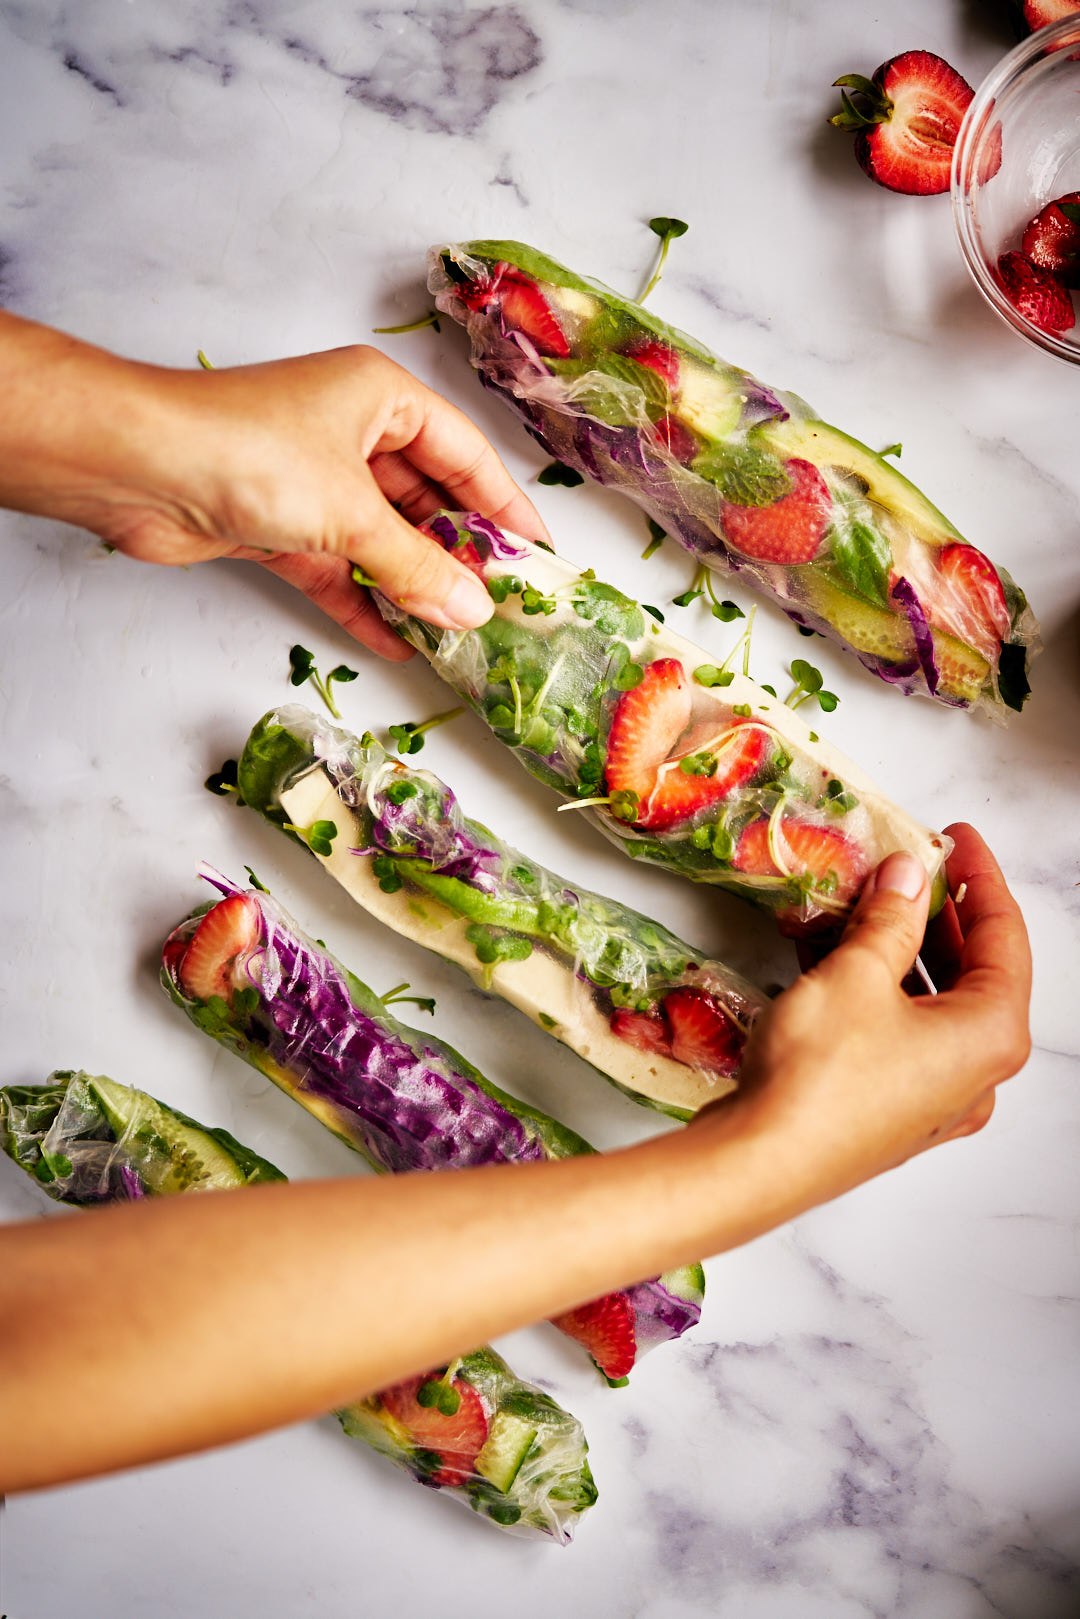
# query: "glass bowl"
[1029,110]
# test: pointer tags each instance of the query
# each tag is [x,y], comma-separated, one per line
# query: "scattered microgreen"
[430,319]
[808,684]
[558,473]
[384,869]
[708,674]
[504,585]
[548,1022]
[715,837]
[667,230]
[699,764]
[492,944]
[804,629]
[657,536]
[255,883]
[359,577]
[319,836]
[814,737]
[206,364]
[439,1393]
[409,737]
[624,803]
[52,1166]
[397,997]
[837,798]
[770,689]
[893,449]
[630,675]
[743,710]
[702,585]
[302,667]
[655,611]
[225,780]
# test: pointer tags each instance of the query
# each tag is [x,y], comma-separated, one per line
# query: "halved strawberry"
[1052,239]
[523,306]
[823,852]
[646,725]
[792,528]
[907,118]
[659,357]
[1038,294]
[457,1440]
[676,439]
[702,1034]
[1041,13]
[976,610]
[606,1328]
[740,753]
[227,932]
[646,1030]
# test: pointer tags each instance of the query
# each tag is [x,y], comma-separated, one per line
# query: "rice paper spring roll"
[748,479]
[681,762]
[661,1020]
[247,976]
[472,1429]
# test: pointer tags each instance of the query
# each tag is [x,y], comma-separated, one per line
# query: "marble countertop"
[880,1413]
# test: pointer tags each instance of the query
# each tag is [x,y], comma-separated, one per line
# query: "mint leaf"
[744,475]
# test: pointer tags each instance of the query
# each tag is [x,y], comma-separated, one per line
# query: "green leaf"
[343,674]
[804,629]
[745,474]
[743,710]
[827,700]
[770,689]
[699,764]
[548,1022]
[399,791]
[504,585]
[655,611]
[686,598]
[725,611]
[806,676]
[707,674]
[557,473]
[663,226]
[657,536]
[629,676]
[858,82]
[607,608]
[625,804]
[224,781]
[301,664]
[863,557]
[255,883]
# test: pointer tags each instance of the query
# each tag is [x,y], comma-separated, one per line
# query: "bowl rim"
[1066,30]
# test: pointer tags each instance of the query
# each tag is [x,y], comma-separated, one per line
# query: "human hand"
[846,1075]
[306,465]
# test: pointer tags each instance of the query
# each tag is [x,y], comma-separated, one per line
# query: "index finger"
[995,957]
[442,443]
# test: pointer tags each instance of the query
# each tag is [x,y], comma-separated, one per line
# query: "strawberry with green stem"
[906,119]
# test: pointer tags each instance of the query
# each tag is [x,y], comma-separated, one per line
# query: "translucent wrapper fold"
[661,1020]
[472,1429]
[746,478]
[681,762]
[400,1096]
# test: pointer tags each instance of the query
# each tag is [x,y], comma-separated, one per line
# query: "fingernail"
[467,605]
[901,874]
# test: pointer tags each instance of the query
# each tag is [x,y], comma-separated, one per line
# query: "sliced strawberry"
[659,357]
[646,725]
[1052,240]
[456,1440]
[823,852]
[676,439]
[740,753]
[1041,13]
[792,528]
[702,1034]
[907,119]
[225,934]
[606,1328]
[646,1030]
[975,608]
[523,306]
[173,952]
[1038,294]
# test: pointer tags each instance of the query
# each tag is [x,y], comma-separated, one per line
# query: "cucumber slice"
[508,1443]
[964,672]
[180,1157]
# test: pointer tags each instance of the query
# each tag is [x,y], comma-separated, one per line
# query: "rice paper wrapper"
[745,477]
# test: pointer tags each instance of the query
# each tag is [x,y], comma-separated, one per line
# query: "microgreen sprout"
[893,449]
[430,319]
[439,1393]
[255,883]
[808,684]
[319,836]
[667,230]
[804,629]
[837,798]
[743,710]
[709,674]
[384,869]
[302,667]
[207,365]
[492,945]
[397,997]
[699,764]
[655,611]
[409,737]
[623,803]
[558,473]
[399,791]
[702,585]
[225,780]
[657,536]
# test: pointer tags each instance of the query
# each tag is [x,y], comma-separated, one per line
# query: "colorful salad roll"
[681,762]
[471,1428]
[246,975]
[746,478]
[661,1020]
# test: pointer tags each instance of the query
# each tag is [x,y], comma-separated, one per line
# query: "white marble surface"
[879,1414]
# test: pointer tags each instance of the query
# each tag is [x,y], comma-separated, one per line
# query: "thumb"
[890,918]
[415,572]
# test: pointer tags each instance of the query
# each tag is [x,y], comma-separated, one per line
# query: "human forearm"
[203,1320]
